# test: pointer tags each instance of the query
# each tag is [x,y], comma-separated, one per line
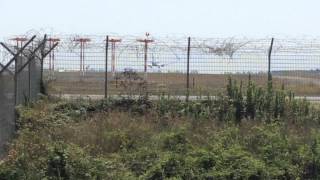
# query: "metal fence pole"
[15,81]
[29,81]
[269,60]
[106,69]
[42,88]
[188,69]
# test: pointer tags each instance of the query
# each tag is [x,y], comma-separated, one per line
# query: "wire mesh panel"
[23,81]
[77,66]
[214,60]
[126,64]
[7,115]
[35,78]
[147,66]
[153,66]
[7,99]
[296,65]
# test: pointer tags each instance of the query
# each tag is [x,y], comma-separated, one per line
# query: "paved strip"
[192,98]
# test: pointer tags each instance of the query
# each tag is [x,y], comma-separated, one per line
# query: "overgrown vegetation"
[246,133]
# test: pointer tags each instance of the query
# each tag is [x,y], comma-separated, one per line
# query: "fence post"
[29,81]
[188,69]
[15,78]
[42,56]
[269,60]
[106,69]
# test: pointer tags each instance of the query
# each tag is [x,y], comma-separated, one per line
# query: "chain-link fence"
[90,65]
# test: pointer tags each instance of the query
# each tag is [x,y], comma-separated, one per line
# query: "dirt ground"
[93,83]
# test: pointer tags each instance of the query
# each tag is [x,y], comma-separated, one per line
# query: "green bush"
[248,132]
[235,163]
[176,142]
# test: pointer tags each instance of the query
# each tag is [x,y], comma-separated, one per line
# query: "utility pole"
[83,42]
[113,54]
[146,42]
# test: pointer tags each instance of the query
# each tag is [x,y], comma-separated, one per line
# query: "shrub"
[176,142]
[245,133]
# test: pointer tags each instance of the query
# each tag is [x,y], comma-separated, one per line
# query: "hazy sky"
[206,18]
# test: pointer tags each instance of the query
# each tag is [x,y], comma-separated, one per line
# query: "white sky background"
[205,18]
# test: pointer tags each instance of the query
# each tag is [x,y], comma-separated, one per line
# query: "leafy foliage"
[247,133]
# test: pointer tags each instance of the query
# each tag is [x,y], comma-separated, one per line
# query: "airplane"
[156,64]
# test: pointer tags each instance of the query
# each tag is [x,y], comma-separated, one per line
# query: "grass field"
[302,84]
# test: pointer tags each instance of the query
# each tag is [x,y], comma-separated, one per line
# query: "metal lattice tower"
[146,42]
[83,42]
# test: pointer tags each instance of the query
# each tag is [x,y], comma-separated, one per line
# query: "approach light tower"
[83,42]
[146,42]
[19,44]
[113,54]
[52,41]
[19,41]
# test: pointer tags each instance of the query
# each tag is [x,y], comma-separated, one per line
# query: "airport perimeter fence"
[128,65]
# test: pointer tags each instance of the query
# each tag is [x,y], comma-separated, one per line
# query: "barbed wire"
[172,50]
